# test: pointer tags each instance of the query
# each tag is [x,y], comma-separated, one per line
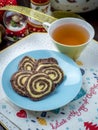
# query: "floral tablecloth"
[79,114]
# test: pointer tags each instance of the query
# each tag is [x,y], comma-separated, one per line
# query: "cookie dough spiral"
[27,64]
[39,85]
[18,80]
[53,71]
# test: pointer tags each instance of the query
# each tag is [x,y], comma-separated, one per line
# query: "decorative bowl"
[64,14]
[77,6]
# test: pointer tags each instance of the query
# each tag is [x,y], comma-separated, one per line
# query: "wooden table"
[91,17]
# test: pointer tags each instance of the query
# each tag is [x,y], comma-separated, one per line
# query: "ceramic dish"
[63,14]
[76,6]
[63,94]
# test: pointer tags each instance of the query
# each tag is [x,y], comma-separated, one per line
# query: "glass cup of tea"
[70,35]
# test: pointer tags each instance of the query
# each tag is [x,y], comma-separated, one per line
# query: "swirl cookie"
[18,80]
[27,64]
[39,85]
[36,79]
[52,70]
[49,60]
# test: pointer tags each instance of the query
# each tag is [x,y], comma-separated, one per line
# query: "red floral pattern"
[7,2]
[4,3]
[20,33]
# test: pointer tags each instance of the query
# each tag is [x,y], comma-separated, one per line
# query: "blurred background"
[86,9]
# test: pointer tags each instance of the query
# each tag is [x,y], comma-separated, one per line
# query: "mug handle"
[46,25]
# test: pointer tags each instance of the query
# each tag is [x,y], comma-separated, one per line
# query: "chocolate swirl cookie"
[52,70]
[18,80]
[49,60]
[37,78]
[27,63]
[39,85]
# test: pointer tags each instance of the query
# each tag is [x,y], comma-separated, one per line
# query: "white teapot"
[77,6]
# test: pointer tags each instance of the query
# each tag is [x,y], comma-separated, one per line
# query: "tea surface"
[70,34]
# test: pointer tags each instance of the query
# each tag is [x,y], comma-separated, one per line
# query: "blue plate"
[62,95]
